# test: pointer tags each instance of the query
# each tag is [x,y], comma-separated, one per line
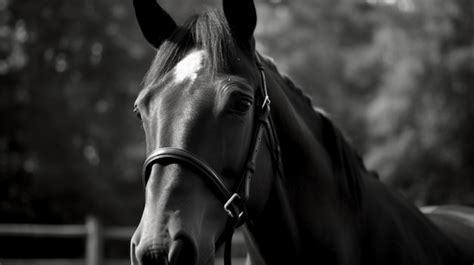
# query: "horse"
[231,142]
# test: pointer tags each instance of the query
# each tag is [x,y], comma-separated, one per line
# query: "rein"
[234,203]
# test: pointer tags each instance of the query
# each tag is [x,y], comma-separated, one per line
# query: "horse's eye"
[242,105]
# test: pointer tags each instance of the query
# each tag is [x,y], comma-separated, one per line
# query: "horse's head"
[200,107]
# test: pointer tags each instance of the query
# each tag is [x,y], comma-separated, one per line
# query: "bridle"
[234,203]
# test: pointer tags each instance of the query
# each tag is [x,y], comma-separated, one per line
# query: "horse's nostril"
[155,257]
[182,252]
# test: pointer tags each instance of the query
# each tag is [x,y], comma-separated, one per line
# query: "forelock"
[208,31]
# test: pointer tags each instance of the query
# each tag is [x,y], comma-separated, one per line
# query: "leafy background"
[396,75]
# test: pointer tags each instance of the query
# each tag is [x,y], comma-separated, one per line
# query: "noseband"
[234,203]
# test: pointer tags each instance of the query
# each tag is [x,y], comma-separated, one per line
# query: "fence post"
[94,241]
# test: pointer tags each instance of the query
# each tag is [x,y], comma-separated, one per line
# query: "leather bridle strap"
[263,122]
[171,155]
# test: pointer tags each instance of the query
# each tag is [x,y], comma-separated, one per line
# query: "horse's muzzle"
[181,251]
[155,257]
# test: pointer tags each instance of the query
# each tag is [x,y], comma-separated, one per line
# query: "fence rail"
[59,262]
[94,235]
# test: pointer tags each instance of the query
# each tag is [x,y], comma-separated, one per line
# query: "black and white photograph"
[236,132]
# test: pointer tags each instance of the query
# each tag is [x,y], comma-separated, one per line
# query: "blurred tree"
[396,74]
[424,147]
[74,69]
[15,179]
[400,69]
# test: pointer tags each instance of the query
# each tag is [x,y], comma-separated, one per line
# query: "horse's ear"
[155,23]
[242,18]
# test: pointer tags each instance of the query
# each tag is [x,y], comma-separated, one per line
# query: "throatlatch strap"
[228,250]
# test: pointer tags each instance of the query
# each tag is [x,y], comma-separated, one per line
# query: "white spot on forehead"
[188,68]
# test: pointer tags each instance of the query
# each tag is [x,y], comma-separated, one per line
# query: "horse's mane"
[208,31]
[346,161]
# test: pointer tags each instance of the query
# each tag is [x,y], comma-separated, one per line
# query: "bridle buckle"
[266,102]
[236,202]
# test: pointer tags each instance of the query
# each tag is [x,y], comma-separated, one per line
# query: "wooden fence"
[94,234]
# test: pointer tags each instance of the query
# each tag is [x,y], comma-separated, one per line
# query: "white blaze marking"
[188,68]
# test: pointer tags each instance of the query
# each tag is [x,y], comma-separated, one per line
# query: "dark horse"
[219,158]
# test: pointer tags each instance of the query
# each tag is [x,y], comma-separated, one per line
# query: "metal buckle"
[234,196]
[266,102]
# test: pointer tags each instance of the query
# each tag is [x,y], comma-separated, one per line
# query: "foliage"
[72,145]
[397,75]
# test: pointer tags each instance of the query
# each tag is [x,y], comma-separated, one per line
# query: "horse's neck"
[396,232]
[316,223]
[276,234]
[303,218]
[274,238]
[291,232]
